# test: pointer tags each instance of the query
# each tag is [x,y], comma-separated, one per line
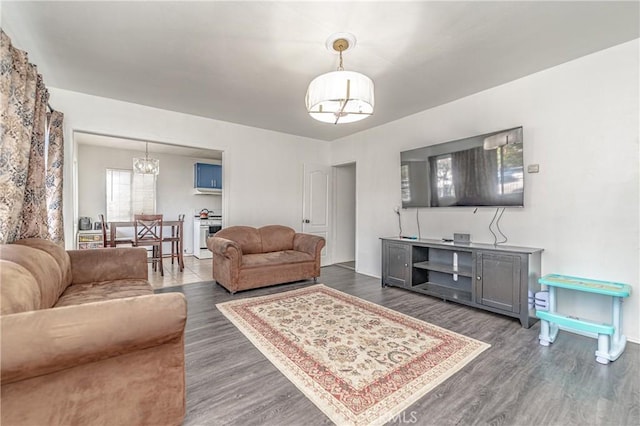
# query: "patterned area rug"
[360,363]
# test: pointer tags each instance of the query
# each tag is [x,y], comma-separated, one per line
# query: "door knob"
[306,221]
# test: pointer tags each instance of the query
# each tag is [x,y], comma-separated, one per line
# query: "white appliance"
[202,229]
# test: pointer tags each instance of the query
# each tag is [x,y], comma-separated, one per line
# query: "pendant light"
[340,96]
[146,165]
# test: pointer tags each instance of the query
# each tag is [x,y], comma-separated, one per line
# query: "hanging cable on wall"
[496,219]
[397,210]
[500,230]
[418,222]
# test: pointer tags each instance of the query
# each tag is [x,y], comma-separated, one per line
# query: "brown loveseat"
[246,257]
[84,339]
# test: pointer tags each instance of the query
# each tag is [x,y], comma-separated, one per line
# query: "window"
[129,193]
[143,197]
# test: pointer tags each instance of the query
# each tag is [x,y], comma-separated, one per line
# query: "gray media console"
[494,278]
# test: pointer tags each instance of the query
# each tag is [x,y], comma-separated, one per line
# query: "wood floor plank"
[515,382]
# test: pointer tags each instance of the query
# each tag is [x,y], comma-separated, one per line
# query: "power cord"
[397,210]
[500,230]
[418,222]
[496,219]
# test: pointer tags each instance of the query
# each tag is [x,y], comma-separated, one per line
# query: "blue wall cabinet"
[208,176]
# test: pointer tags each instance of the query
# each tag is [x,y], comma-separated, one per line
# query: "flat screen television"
[484,170]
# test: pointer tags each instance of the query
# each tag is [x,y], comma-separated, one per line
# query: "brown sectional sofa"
[84,339]
[245,257]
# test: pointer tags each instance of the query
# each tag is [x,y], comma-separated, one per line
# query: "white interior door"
[315,209]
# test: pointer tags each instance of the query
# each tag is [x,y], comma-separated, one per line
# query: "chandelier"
[146,165]
[340,96]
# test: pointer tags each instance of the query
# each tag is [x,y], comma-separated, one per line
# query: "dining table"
[175,236]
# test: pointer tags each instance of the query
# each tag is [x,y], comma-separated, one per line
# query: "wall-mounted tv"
[483,170]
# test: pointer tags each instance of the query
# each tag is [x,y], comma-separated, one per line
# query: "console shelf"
[495,278]
[444,292]
[464,271]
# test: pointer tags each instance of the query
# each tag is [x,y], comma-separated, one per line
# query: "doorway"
[344,215]
[174,186]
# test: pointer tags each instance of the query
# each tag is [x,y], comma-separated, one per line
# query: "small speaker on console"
[462,238]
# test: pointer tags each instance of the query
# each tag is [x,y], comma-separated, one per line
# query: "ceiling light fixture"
[146,165]
[340,96]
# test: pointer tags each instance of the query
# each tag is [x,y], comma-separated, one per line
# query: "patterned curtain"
[54,177]
[25,164]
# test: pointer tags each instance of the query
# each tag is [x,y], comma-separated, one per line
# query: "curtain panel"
[29,163]
[54,177]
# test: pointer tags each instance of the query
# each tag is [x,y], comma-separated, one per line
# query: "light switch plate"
[461,238]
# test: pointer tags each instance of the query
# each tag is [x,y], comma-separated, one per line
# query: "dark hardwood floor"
[515,382]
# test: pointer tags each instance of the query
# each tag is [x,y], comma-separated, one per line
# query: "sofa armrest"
[40,342]
[108,264]
[308,243]
[226,248]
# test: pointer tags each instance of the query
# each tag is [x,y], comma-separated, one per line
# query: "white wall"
[580,124]
[174,185]
[262,170]
[344,237]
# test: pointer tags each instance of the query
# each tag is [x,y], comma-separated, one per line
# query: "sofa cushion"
[42,266]
[246,236]
[58,253]
[78,294]
[276,238]
[89,266]
[20,291]
[275,258]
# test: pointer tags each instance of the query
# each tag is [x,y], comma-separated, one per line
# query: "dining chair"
[106,235]
[105,241]
[148,233]
[176,240]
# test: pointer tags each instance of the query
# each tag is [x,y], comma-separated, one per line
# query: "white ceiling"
[251,62]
